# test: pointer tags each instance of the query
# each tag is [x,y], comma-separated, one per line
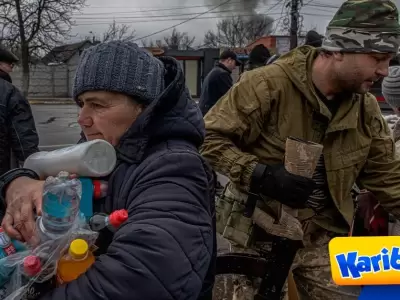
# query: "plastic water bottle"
[95,158]
[111,222]
[60,206]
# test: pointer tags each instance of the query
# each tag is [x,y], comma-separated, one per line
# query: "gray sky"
[147,17]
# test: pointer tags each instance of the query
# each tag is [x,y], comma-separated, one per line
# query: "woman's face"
[106,115]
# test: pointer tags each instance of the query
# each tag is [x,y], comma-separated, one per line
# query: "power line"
[147,19]
[183,22]
[200,18]
[157,16]
[147,9]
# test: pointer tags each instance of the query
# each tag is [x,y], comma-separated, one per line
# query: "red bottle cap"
[32,265]
[118,217]
[99,189]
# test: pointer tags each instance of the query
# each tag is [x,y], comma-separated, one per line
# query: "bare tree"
[178,40]
[153,44]
[238,31]
[120,32]
[30,28]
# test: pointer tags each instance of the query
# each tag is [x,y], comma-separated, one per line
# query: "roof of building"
[62,54]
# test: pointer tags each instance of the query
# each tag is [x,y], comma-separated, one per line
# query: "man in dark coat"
[314,39]
[17,127]
[258,57]
[166,250]
[218,81]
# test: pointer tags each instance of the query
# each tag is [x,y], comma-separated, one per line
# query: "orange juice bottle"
[75,263]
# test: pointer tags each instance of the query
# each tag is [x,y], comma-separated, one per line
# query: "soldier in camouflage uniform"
[320,95]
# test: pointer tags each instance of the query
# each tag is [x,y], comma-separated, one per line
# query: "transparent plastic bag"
[19,286]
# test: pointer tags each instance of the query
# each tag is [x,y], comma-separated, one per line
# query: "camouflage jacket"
[250,124]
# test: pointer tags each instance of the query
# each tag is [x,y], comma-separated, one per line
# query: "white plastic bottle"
[95,158]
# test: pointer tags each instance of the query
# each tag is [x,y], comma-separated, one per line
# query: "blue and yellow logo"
[365,260]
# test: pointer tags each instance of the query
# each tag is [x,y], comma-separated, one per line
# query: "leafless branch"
[120,32]
[238,31]
[31,28]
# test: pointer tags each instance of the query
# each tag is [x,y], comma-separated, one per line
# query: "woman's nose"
[84,120]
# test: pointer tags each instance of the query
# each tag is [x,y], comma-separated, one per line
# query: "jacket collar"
[222,66]
[5,76]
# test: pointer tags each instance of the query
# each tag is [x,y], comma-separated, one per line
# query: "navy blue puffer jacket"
[166,249]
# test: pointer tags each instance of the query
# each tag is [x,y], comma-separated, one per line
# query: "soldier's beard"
[355,83]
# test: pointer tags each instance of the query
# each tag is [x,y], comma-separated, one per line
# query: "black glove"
[276,182]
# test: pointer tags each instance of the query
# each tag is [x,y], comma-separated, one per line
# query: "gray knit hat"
[391,87]
[120,67]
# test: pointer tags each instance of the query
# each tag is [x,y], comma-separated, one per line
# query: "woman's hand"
[22,195]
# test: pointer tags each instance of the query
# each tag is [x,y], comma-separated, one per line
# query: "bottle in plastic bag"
[75,263]
[8,247]
[60,206]
[91,190]
[95,158]
[44,281]
[111,222]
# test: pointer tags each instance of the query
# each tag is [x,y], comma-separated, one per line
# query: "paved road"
[56,124]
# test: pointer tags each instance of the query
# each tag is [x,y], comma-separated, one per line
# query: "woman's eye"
[79,103]
[95,105]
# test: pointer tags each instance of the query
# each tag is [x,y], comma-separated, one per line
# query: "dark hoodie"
[166,250]
[5,76]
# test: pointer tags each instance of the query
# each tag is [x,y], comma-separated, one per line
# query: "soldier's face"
[356,73]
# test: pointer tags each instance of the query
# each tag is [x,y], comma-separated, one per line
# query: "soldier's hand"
[23,195]
[289,189]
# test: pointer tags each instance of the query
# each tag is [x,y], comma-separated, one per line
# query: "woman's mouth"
[93,134]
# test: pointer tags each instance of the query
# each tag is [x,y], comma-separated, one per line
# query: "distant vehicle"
[376,89]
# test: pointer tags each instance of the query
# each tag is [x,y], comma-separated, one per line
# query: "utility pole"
[294,23]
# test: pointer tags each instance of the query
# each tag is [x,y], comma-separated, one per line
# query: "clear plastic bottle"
[60,206]
[75,263]
[95,158]
[101,221]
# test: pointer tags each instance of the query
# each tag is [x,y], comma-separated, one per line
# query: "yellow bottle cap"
[78,248]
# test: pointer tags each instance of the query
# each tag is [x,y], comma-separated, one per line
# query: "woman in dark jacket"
[166,249]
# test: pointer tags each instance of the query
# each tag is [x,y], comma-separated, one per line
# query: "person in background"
[314,39]
[166,249]
[319,95]
[218,81]
[18,135]
[391,93]
[7,62]
[258,57]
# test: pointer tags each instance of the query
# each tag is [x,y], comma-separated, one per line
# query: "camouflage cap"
[364,26]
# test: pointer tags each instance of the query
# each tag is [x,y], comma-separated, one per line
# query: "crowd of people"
[169,149]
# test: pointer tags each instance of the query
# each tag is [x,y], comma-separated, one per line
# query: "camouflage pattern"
[364,26]
[311,273]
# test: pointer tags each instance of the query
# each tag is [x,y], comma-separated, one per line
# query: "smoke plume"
[246,8]
[239,6]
